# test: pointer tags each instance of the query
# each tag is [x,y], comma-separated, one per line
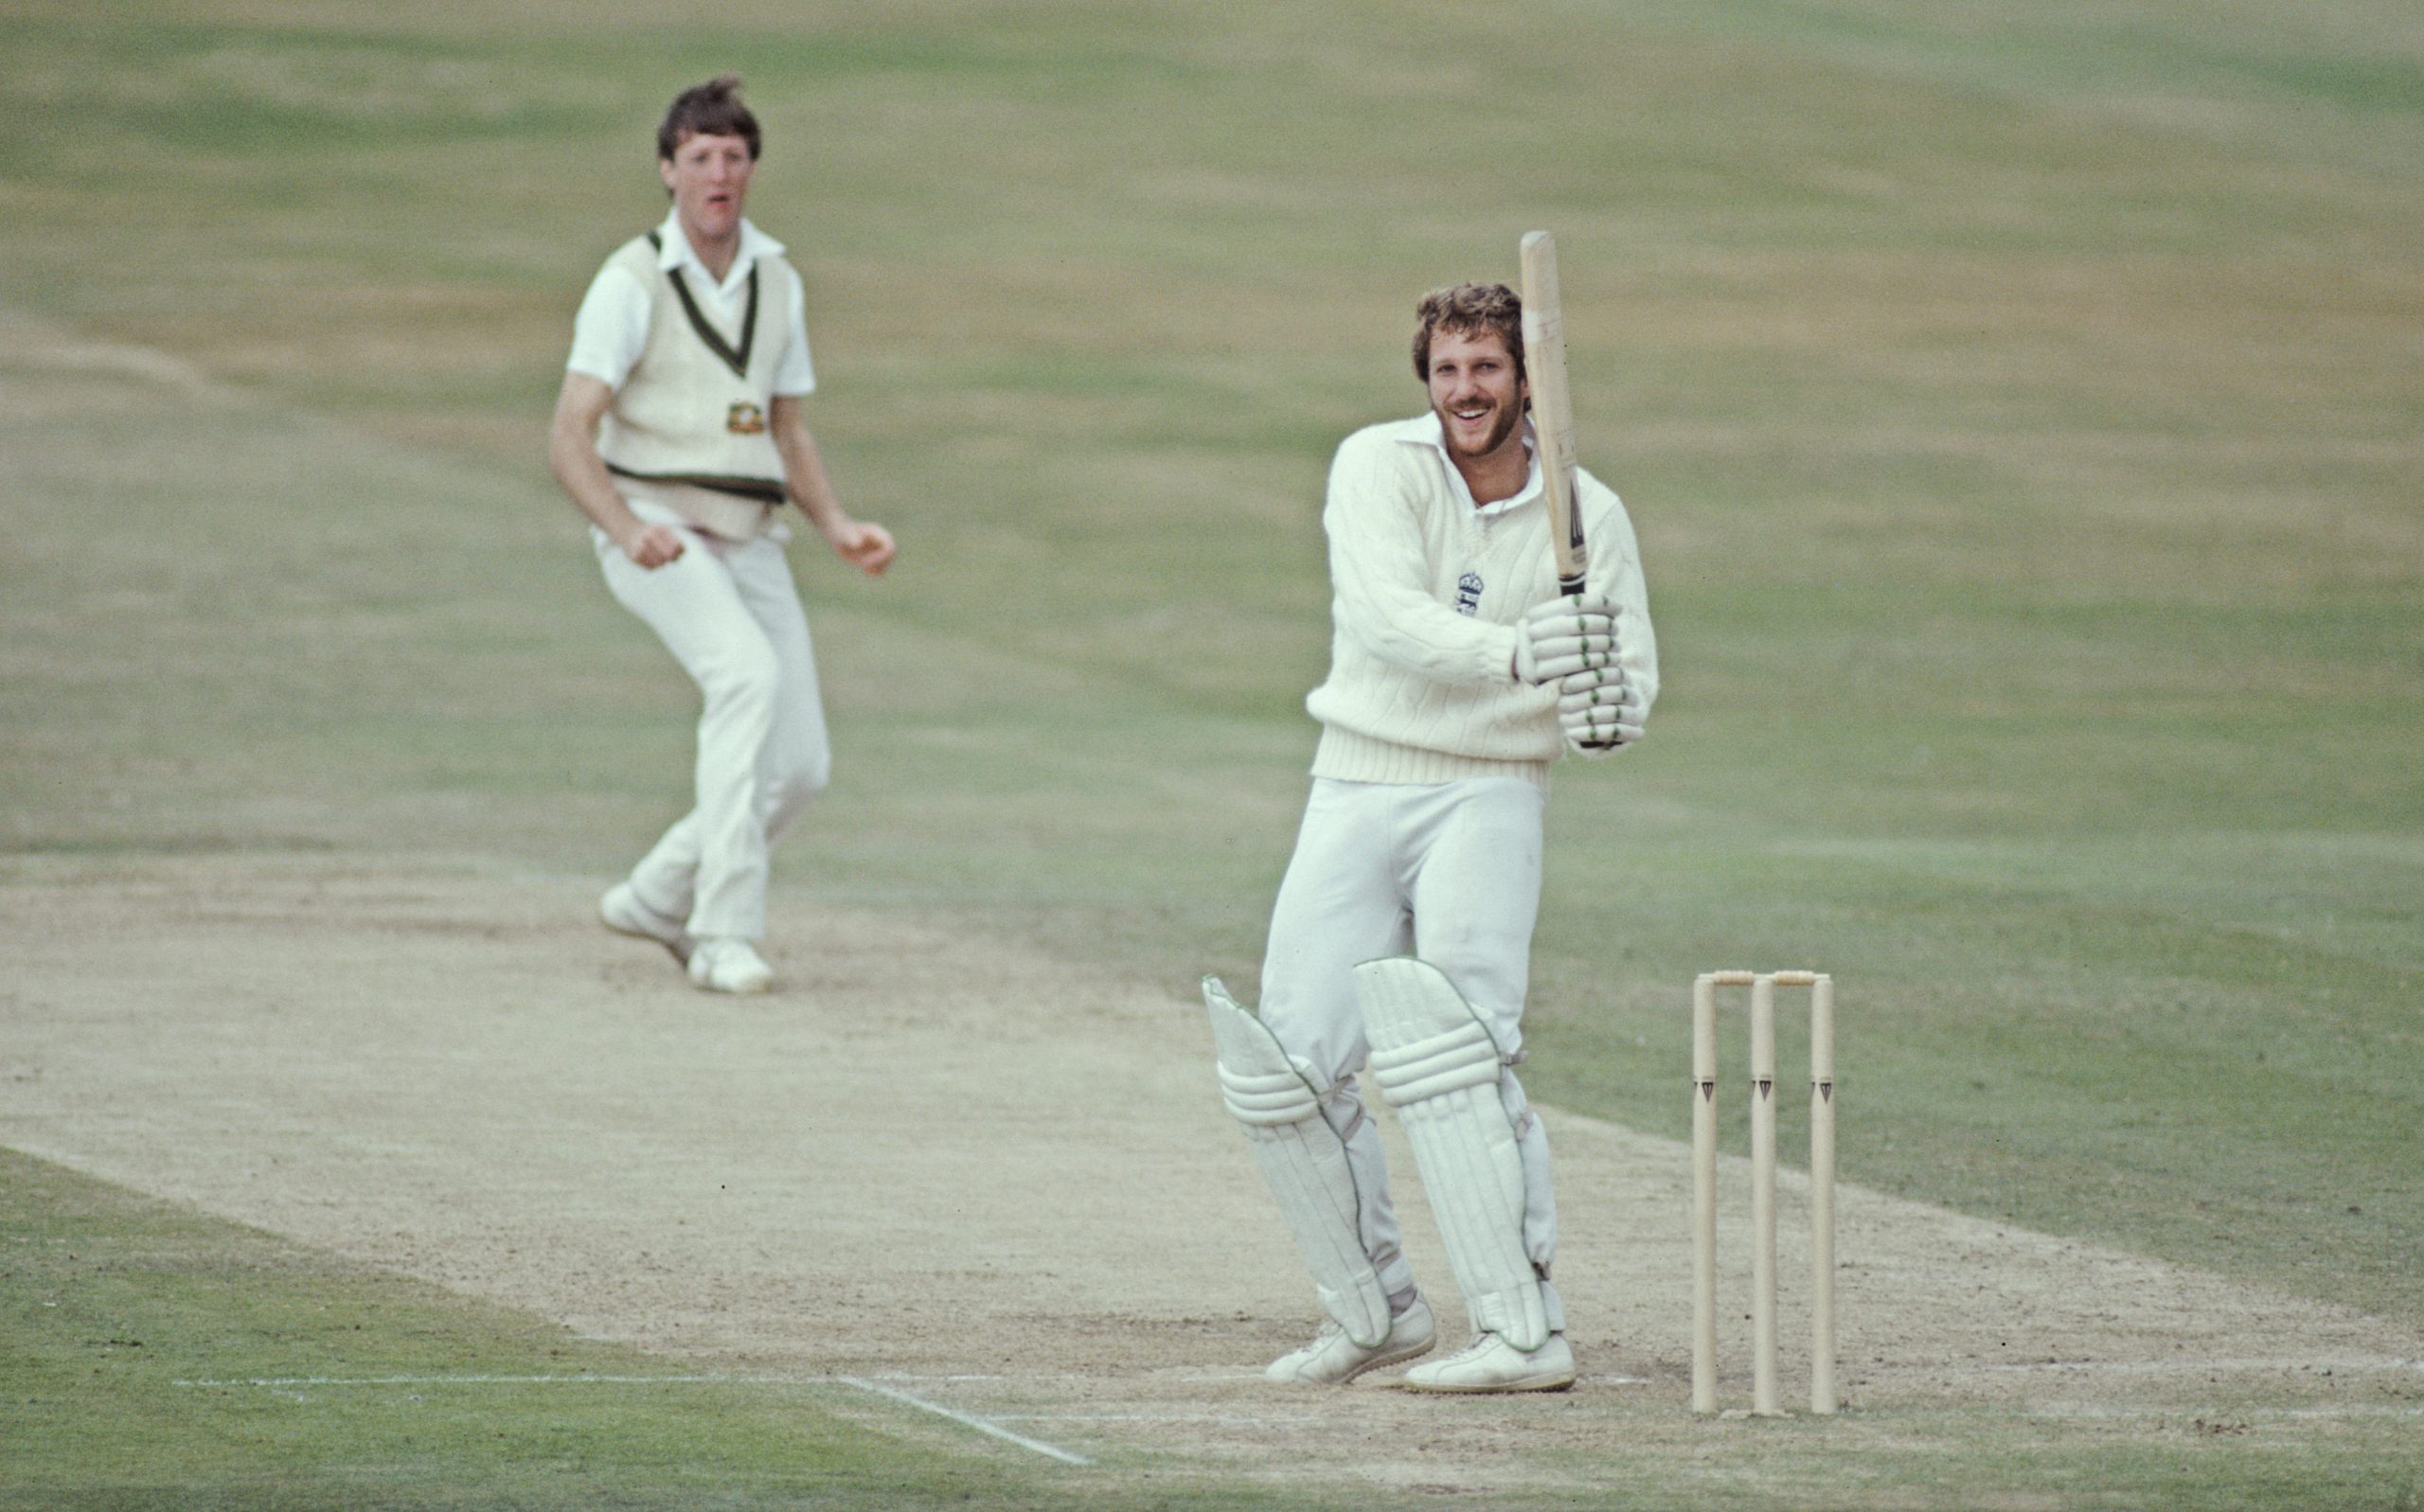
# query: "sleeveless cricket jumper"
[686,439]
[687,427]
[1422,832]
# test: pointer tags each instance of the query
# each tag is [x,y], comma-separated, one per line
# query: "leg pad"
[1436,1063]
[1304,1159]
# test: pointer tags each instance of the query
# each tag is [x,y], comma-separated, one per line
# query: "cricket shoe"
[1490,1364]
[621,911]
[729,964]
[1333,1360]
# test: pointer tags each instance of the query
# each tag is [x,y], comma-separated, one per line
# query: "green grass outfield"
[2020,406]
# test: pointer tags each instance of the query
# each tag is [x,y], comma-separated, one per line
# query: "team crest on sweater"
[1469,594]
[745,420]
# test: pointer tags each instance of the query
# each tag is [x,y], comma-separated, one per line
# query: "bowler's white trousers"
[1449,872]
[731,616]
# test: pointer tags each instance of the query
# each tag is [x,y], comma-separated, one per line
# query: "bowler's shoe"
[621,911]
[729,964]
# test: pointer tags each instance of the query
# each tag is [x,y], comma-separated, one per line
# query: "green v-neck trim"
[735,360]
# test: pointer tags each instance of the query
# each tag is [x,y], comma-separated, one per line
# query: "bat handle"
[1571,587]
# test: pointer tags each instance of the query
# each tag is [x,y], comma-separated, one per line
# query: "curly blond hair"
[1469,310]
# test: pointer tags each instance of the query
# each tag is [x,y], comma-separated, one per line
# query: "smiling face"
[708,176]
[1475,393]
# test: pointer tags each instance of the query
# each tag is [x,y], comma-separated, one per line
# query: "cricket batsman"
[1400,941]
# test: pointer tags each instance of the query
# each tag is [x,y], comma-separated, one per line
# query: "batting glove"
[1576,634]
[1598,715]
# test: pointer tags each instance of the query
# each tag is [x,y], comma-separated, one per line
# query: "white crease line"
[981,1425]
[1233,1419]
[966,1420]
[1190,1377]
[1090,1377]
[290,1383]
[1228,1419]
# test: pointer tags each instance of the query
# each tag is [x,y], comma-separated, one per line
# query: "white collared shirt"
[611,332]
[1436,436]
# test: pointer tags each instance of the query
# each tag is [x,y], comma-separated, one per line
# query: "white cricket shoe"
[1490,1364]
[621,911]
[729,964]
[1333,1360]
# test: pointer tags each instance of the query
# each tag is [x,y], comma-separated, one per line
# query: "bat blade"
[1552,405]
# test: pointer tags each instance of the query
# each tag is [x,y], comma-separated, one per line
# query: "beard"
[1502,425]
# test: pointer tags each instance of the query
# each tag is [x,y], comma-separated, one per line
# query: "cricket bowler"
[680,434]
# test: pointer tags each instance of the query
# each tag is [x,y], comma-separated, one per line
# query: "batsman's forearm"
[1418,635]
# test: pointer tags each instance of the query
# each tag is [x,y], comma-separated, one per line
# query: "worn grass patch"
[160,1359]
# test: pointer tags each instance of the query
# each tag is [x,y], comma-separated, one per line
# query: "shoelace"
[1478,1348]
[1328,1330]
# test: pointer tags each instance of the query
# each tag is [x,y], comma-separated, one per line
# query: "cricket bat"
[1552,405]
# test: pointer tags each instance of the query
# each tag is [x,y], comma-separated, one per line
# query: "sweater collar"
[673,251]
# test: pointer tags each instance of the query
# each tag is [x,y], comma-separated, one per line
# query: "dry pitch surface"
[952,1166]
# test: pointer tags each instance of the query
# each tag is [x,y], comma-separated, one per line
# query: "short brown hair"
[712,109]
[1469,310]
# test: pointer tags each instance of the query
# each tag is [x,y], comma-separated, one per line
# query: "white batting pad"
[1305,1161]
[1435,1063]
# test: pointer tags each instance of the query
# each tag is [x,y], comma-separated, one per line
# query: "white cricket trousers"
[731,616]
[1451,873]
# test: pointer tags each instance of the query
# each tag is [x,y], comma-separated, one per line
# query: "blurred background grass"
[2018,406]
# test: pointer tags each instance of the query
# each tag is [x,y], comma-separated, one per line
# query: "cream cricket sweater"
[1427,591]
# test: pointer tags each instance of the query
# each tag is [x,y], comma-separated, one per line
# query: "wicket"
[1763,986]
